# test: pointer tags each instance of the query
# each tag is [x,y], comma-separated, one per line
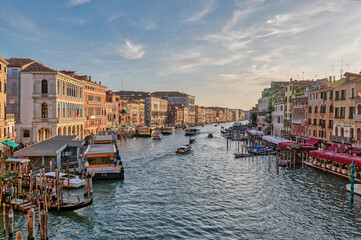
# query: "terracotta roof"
[69,73]
[19,62]
[37,67]
[169,94]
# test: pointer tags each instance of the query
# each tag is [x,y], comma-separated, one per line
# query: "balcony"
[298,106]
[297,121]
[94,102]
[71,119]
[341,139]
[94,117]
[10,116]
[357,118]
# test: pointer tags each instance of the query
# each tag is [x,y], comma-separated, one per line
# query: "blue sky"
[223,52]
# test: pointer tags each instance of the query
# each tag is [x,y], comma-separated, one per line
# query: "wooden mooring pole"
[4,221]
[19,236]
[31,223]
[43,224]
[11,222]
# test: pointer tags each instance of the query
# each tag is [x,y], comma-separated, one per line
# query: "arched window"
[44,110]
[358,134]
[44,86]
[310,109]
[316,109]
[331,108]
[336,131]
[352,133]
[359,109]
[342,132]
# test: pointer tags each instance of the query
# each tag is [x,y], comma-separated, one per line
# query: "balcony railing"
[10,116]
[94,117]
[341,139]
[297,121]
[357,118]
[94,102]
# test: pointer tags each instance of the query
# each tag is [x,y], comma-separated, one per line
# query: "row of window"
[339,95]
[3,67]
[64,88]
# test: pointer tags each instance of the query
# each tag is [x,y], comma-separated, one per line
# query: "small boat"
[260,150]
[168,130]
[210,135]
[191,131]
[68,206]
[192,140]
[184,149]
[157,136]
[74,180]
[357,188]
[215,125]
[238,154]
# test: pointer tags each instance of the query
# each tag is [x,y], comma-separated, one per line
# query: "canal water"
[208,194]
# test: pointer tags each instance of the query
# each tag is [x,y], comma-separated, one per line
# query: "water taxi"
[184,149]
[103,160]
[192,140]
[157,136]
[146,131]
[168,130]
[191,131]
[210,135]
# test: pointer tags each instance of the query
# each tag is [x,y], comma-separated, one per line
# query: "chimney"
[100,83]
[330,78]
[90,78]
[95,82]
[291,79]
[334,78]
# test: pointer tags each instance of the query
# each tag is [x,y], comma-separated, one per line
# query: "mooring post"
[11,222]
[43,230]
[19,236]
[4,222]
[352,182]
[277,161]
[31,223]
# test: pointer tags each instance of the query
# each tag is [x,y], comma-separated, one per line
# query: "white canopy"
[275,139]
[256,132]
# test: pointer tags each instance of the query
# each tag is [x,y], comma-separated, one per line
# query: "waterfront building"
[178,98]
[278,114]
[45,102]
[289,91]
[176,115]
[321,110]
[208,115]
[200,115]
[6,127]
[112,110]
[345,103]
[156,110]
[94,103]
[136,107]
[299,119]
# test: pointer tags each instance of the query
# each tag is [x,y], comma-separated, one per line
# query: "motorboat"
[157,136]
[210,135]
[192,140]
[238,154]
[260,150]
[184,149]
[168,130]
[191,131]
[74,180]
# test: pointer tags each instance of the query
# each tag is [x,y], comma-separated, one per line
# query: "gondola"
[192,140]
[71,206]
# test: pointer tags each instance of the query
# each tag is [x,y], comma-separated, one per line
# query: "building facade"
[49,103]
[5,126]
[156,110]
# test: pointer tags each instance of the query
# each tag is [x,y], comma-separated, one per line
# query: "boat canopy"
[256,132]
[337,157]
[275,139]
[17,160]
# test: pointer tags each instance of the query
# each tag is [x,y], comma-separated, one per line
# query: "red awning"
[312,141]
[355,151]
[286,144]
[337,157]
[286,136]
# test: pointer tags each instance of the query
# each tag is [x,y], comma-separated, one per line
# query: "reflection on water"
[209,194]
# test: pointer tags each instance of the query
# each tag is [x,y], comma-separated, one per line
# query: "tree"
[254,119]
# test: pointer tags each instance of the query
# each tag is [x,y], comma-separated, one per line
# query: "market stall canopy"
[338,148]
[10,143]
[312,141]
[337,157]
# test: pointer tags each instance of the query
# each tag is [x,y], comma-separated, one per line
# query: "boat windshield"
[100,160]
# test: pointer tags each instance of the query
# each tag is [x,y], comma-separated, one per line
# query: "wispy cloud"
[151,26]
[207,8]
[130,50]
[77,2]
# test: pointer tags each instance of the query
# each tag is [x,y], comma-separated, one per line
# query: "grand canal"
[208,194]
